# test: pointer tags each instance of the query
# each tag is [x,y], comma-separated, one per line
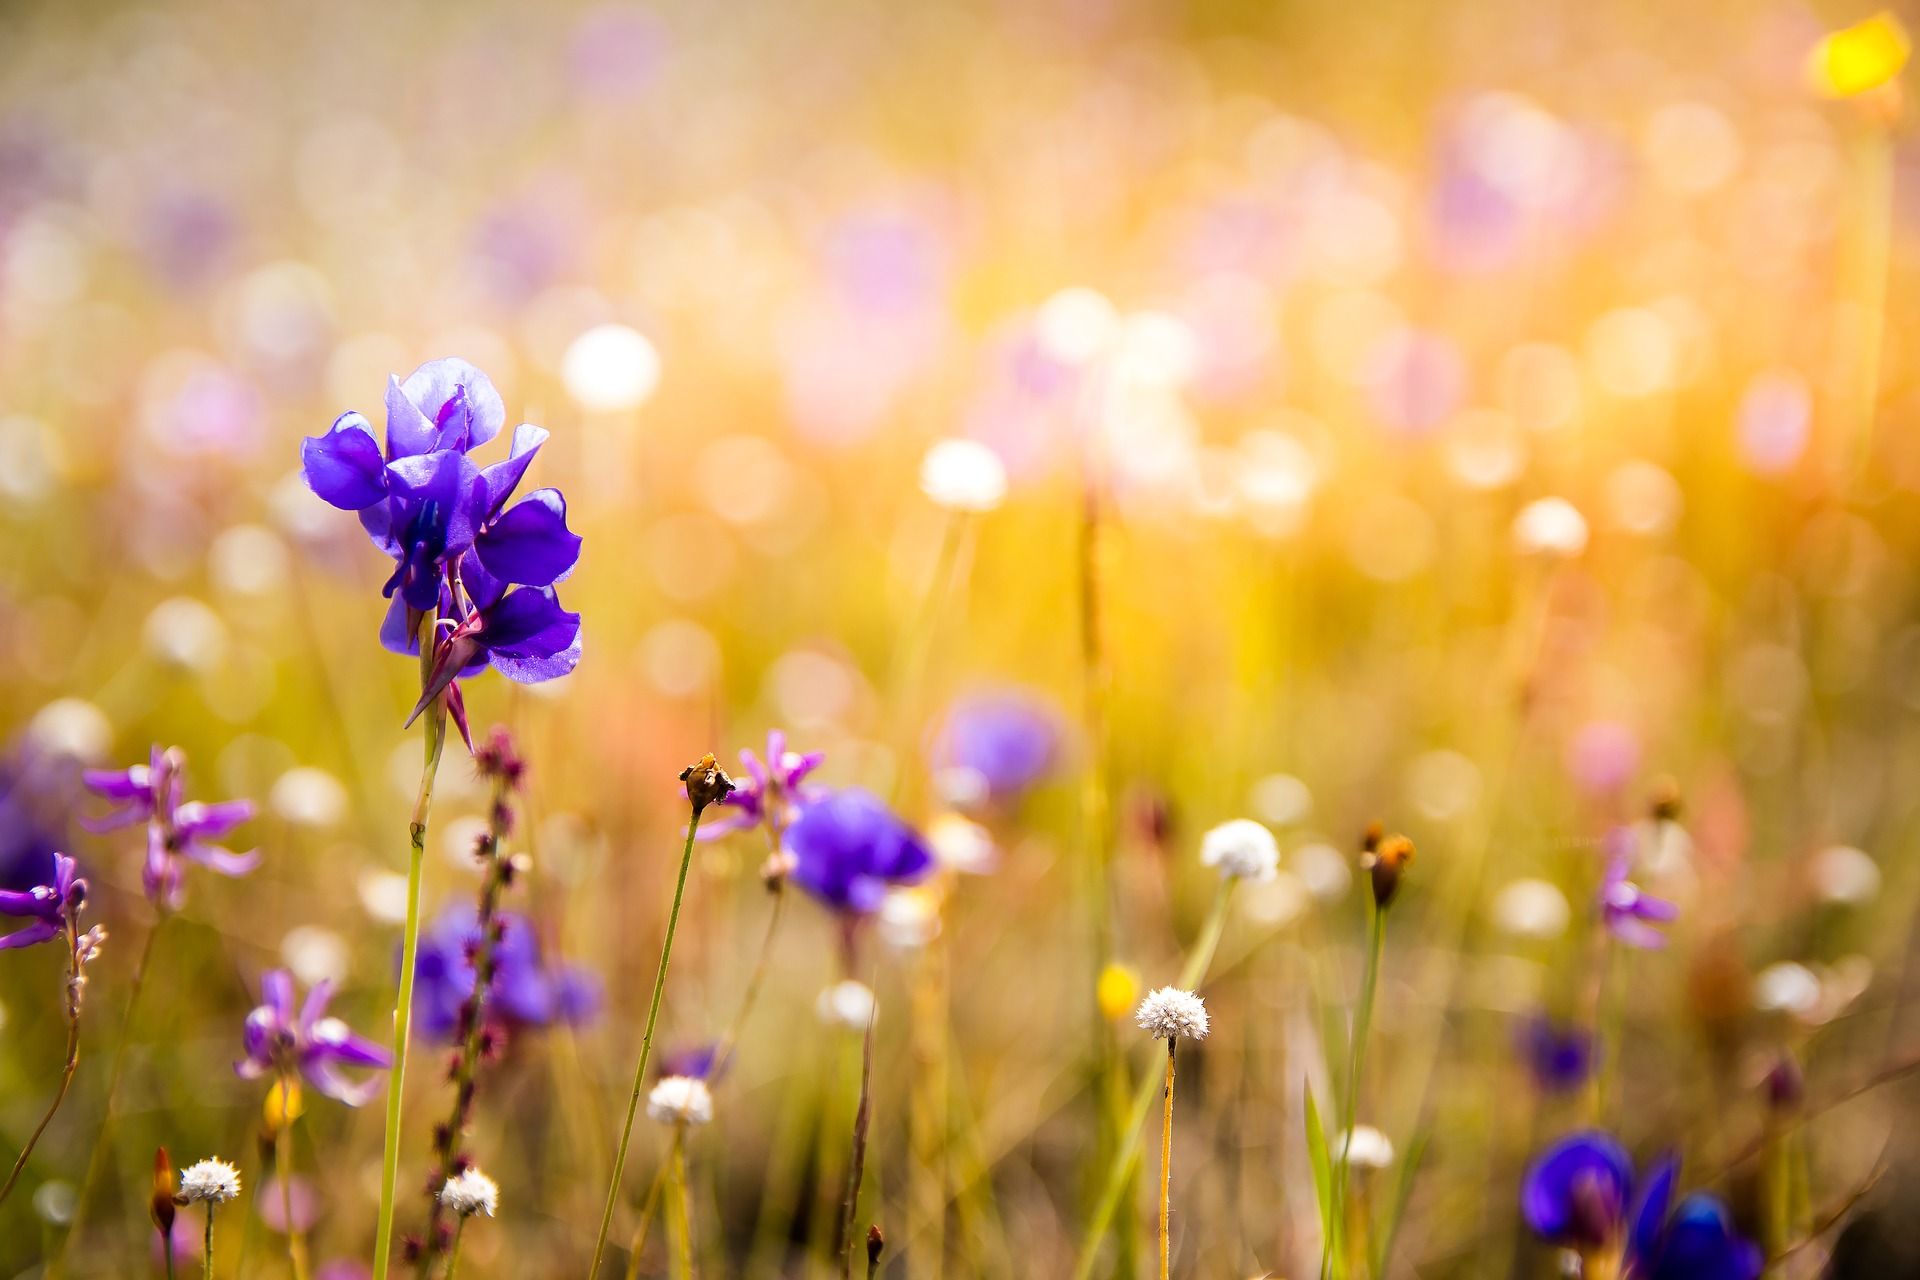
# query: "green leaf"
[1322,1174]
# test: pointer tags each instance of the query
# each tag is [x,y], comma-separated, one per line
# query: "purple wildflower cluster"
[49,907]
[178,830]
[527,990]
[282,1041]
[483,569]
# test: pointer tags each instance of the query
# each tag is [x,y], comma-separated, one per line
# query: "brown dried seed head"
[706,782]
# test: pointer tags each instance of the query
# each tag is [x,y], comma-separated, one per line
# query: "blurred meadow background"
[1495,420]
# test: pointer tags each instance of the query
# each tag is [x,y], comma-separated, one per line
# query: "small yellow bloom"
[1860,58]
[283,1105]
[1118,990]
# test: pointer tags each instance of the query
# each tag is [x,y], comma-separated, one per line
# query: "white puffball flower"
[1786,987]
[1844,874]
[680,1100]
[1365,1147]
[610,368]
[309,797]
[1530,908]
[1550,526]
[471,1192]
[1171,1012]
[846,1004]
[1241,848]
[71,727]
[211,1182]
[963,475]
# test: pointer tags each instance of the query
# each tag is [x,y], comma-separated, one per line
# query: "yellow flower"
[1860,58]
[1117,990]
[283,1105]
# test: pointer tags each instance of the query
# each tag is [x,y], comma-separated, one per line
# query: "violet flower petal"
[530,543]
[344,466]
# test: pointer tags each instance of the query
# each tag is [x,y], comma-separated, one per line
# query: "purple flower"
[33,803]
[694,1062]
[1629,913]
[456,543]
[526,990]
[177,829]
[1581,1193]
[847,847]
[280,1041]
[772,787]
[1560,1057]
[1007,739]
[48,906]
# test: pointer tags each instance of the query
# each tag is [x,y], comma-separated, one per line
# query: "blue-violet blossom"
[278,1040]
[1629,912]
[1005,739]
[48,906]
[847,847]
[525,991]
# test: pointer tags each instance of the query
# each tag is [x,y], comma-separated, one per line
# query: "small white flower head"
[471,1192]
[680,1100]
[1171,1012]
[1550,527]
[846,1004]
[1242,849]
[212,1181]
[1364,1148]
[963,475]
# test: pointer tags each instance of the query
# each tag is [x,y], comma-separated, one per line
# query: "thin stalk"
[857,1165]
[467,1064]
[435,734]
[66,1075]
[283,1165]
[166,1247]
[682,1216]
[1119,1173]
[646,1050]
[96,1162]
[1166,1169]
[1356,1064]
[453,1250]
[206,1257]
[652,1203]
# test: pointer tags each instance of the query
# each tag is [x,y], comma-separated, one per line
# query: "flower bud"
[875,1243]
[1786,1085]
[706,782]
[1385,859]
[161,1206]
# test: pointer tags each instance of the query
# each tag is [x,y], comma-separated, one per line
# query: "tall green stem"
[283,1160]
[682,1217]
[1119,1173]
[206,1254]
[66,1075]
[646,1050]
[1356,1063]
[435,733]
[453,1251]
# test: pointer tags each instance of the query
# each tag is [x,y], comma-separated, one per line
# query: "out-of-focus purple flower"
[770,790]
[1581,1193]
[178,830]
[273,1202]
[847,847]
[457,544]
[1005,739]
[48,906]
[278,1040]
[1629,913]
[1560,1057]
[30,835]
[695,1062]
[527,991]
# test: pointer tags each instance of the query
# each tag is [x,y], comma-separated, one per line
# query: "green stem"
[1356,1063]
[435,733]
[652,1203]
[646,1049]
[283,1162]
[206,1256]
[682,1217]
[66,1075]
[453,1250]
[96,1162]
[1119,1172]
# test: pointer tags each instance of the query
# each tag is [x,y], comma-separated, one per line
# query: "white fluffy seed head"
[471,1192]
[680,1100]
[1243,849]
[210,1181]
[1171,1012]
[1365,1147]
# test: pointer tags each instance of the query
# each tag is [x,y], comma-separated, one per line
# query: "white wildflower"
[1365,1147]
[963,475]
[212,1181]
[680,1100]
[1243,849]
[1171,1012]
[471,1192]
